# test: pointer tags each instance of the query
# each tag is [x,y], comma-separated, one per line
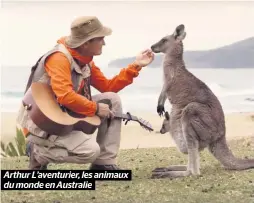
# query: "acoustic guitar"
[48,115]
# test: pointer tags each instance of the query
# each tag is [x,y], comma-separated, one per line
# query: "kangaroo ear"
[180,32]
[166,115]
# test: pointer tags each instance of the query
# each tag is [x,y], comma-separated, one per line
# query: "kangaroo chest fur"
[182,86]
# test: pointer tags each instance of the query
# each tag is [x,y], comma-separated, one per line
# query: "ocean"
[233,87]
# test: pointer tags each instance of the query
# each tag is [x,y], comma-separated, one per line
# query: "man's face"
[93,47]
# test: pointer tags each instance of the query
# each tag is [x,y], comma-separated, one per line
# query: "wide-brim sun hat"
[85,28]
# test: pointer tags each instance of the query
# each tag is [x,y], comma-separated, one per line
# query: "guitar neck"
[126,116]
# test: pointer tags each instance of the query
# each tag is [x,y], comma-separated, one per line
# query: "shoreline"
[238,125]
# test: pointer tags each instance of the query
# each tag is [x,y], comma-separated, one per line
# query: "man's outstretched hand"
[144,58]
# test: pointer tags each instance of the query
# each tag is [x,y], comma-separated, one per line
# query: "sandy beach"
[238,125]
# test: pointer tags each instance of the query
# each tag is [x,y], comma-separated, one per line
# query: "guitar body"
[46,113]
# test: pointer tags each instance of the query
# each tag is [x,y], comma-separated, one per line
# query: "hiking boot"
[104,167]
[33,163]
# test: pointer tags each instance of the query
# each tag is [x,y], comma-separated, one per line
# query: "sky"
[32,28]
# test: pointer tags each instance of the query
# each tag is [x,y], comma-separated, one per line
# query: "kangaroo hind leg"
[193,166]
[177,135]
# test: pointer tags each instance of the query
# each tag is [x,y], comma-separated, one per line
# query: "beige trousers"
[80,148]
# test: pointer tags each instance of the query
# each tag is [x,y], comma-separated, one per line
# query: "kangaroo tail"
[222,153]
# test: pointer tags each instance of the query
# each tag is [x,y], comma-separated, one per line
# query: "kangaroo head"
[165,125]
[171,44]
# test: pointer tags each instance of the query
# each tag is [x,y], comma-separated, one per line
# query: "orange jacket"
[58,68]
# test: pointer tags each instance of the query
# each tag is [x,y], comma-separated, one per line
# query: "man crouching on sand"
[71,86]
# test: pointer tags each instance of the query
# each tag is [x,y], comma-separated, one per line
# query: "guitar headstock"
[128,117]
[145,124]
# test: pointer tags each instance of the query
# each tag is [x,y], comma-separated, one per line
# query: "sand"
[238,125]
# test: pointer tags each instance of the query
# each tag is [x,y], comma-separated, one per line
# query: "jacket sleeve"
[117,83]
[58,68]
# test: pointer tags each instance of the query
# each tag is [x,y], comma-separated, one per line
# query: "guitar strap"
[105,101]
[89,80]
[29,82]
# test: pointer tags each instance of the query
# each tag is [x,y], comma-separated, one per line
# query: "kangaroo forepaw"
[160,110]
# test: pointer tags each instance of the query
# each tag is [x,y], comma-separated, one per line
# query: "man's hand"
[104,111]
[144,58]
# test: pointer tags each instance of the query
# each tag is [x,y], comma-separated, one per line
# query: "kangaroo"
[197,119]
